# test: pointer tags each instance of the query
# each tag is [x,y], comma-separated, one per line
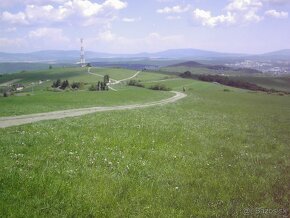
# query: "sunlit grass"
[212,154]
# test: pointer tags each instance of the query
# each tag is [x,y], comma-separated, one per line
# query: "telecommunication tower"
[82,62]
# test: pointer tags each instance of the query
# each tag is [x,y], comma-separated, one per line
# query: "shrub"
[64,85]
[135,83]
[56,84]
[59,84]
[77,85]
[233,83]
[93,88]
[186,74]
[106,79]
[100,86]
[160,87]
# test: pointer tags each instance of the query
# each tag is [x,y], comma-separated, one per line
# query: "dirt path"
[24,119]
[113,81]
[10,82]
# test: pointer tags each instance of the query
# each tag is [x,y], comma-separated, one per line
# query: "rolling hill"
[73,55]
[199,68]
[214,153]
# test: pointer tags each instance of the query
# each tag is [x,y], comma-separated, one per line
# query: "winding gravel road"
[31,118]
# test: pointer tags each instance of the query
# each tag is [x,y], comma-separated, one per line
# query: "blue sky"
[130,26]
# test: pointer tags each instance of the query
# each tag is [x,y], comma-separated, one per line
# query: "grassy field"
[212,154]
[72,74]
[45,101]
[194,70]
[281,83]
[269,82]
[6,68]
[36,98]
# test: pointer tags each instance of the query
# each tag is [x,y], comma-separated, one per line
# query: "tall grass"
[213,154]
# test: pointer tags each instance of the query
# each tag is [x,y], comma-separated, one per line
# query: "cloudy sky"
[129,26]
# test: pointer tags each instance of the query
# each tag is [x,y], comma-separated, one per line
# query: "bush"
[233,83]
[106,79]
[186,74]
[100,86]
[77,85]
[160,87]
[64,85]
[56,84]
[135,83]
[61,85]
[93,88]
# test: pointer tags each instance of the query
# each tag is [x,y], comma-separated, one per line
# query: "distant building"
[18,87]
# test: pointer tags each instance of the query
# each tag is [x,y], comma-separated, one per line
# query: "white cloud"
[115,4]
[276,14]
[152,42]
[243,5]
[206,18]
[18,18]
[237,12]
[107,36]
[51,34]
[131,19]
[251,16]
[279,2]
[174,9]
[246,10]
[85,11]
[46,13]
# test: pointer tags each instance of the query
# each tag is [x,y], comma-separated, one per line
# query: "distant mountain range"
[72,56]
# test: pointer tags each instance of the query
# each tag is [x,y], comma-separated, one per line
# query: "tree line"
[101,85]
[225,80]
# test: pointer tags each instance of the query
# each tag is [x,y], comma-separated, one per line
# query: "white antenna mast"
[82,62]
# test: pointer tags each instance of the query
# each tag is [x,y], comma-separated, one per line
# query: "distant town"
[272,67]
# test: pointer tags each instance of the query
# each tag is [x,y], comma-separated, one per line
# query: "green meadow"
[219,152]
[279,83]
[36,98]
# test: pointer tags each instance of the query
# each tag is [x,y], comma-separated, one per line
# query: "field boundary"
[32,118]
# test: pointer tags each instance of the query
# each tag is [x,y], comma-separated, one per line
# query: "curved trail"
[113,81]
[31,118]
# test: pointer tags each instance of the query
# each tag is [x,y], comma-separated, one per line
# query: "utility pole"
[82,61]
